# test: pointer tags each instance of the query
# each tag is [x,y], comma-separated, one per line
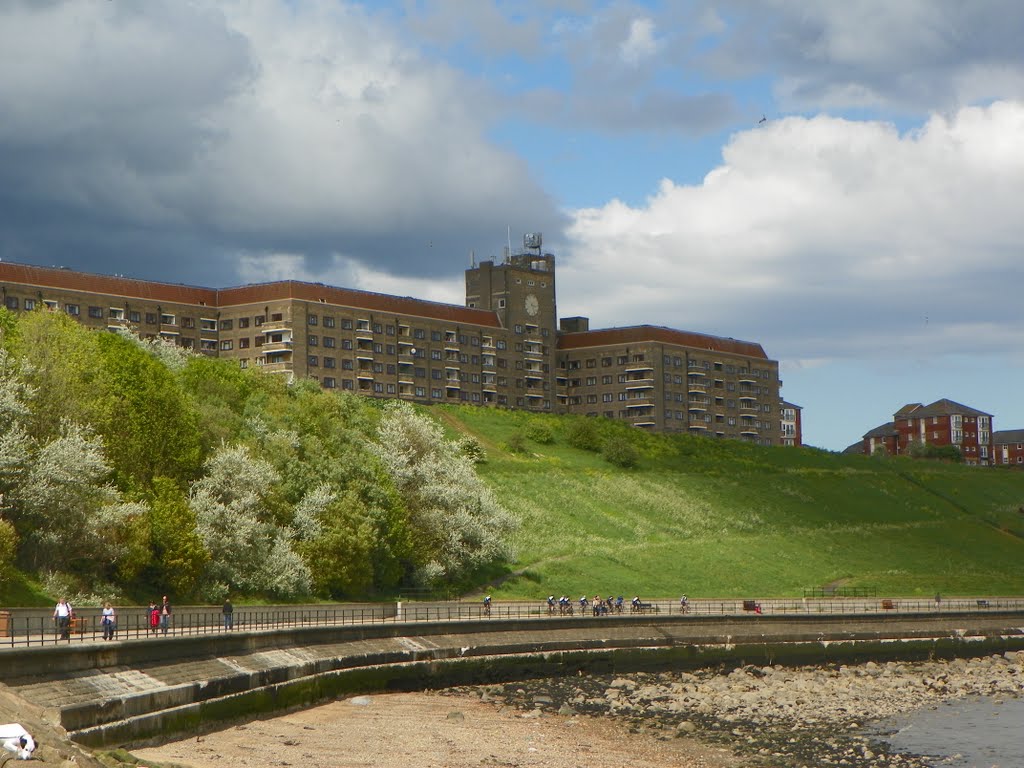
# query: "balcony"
[269,326]
[696,372]
[639,387]
[638,403]
[696,385]
[282,345]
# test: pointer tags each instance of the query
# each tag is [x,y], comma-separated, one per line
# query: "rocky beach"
[800,717]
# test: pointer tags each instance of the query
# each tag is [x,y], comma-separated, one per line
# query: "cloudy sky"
[841,182]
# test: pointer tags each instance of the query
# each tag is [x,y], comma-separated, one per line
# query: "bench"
[888,605]
[983,604]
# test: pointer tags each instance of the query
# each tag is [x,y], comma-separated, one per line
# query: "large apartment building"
[503,348]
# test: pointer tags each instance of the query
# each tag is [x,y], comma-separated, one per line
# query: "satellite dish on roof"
[532,240]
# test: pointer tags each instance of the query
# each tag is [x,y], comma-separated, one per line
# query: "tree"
[457,524]
[179,557]
[238,518]
[60,361]
[147,416]
[68,516]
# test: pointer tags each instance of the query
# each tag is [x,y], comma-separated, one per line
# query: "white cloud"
[824,237]
[640,44]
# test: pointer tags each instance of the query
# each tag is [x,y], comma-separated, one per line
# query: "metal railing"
[134,623]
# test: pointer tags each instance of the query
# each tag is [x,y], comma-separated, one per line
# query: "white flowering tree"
[70,518]
[458,525]
[245,528]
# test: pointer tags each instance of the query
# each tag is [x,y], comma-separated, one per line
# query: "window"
[328,321]
[243,343]
[227,325]
[312,340]
[346,364]
[378,328]
[96,312]
[166,319]
[329,362]
[226,345]
[330,382]
[72,309]
[329,342]
[314,361]
[346,325]
[311,320]
[12,302]
[258,320]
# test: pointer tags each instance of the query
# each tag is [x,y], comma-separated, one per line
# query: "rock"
[566,711]
[360,701]
[686,727]
[456,716]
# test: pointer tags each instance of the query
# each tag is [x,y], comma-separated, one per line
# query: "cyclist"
[551,605]
[684,604]
[487,606]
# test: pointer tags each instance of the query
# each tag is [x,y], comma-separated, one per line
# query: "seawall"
[134,691]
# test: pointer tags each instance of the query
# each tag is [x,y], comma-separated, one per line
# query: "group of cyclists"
[563,606]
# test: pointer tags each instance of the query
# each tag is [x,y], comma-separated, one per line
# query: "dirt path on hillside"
[432,730]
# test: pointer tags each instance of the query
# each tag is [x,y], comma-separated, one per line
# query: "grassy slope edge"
[725,518]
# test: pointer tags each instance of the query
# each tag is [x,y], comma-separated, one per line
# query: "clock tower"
[521,291]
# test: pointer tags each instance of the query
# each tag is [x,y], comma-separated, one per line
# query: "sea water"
[977,732]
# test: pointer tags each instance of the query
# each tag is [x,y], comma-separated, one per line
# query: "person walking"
[153,615]
[165,615]
[62,614]
[228,611]
[109,621]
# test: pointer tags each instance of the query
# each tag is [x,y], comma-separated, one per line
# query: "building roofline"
[656,333]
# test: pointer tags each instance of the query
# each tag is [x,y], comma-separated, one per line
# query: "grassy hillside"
[723,518]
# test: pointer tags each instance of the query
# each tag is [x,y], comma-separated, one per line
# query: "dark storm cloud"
[171,141]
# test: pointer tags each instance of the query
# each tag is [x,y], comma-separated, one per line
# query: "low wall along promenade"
[136,689]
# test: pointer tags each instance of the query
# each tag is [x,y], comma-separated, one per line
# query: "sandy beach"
[434,730]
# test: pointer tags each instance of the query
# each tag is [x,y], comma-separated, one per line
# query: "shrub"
[473,449]
[583,434]
[516,443]
[540,432]
[621,453]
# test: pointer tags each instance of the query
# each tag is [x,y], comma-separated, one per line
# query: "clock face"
[532,305]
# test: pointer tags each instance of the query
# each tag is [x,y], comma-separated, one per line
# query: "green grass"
[729,519]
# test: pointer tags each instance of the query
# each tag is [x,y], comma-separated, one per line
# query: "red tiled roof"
[66,279]
[69,280]
[645,333]
[345,297]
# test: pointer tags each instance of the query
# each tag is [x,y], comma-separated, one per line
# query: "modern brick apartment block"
[791,424]
[942,423]
[1009,447]
[503,348]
